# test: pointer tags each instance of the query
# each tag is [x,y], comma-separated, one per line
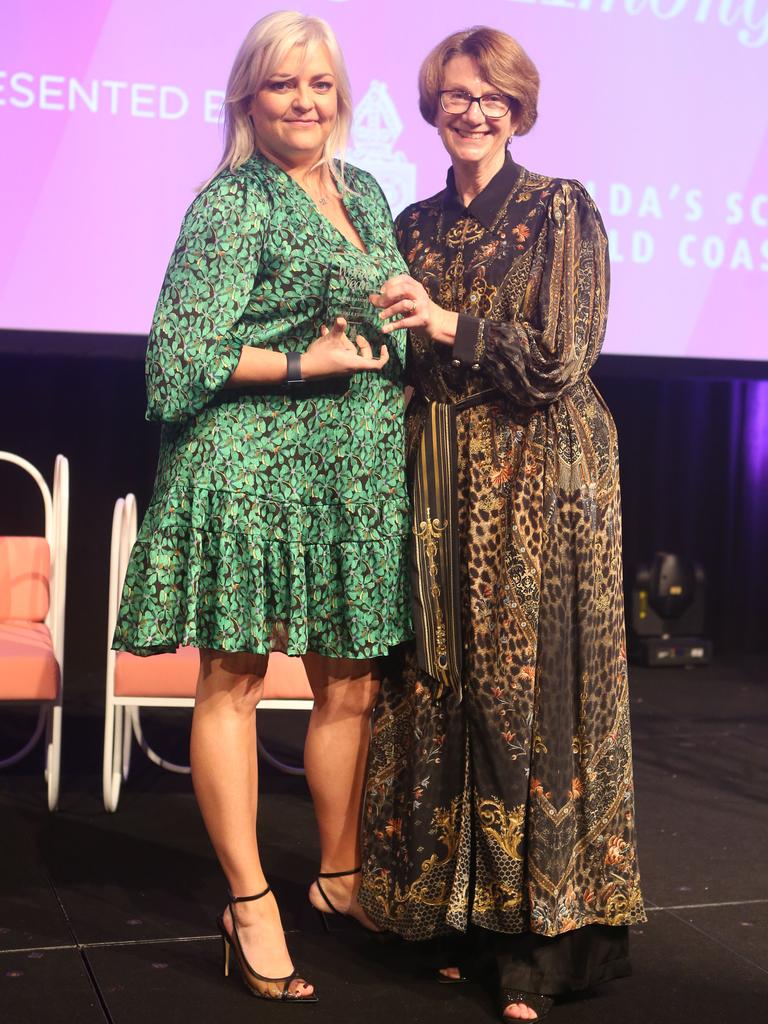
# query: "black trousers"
[571,962]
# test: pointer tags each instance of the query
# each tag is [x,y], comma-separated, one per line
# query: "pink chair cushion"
[159,675]
[25,572]
[175,675]
[28,668]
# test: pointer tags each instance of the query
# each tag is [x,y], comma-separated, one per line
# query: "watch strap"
[293,374]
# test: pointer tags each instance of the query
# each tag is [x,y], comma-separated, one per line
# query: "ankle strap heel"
[248,899]
[252,978]
[340,874]
[374,933]
[333,874]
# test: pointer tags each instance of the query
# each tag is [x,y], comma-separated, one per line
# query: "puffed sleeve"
[193,344]
[534,363]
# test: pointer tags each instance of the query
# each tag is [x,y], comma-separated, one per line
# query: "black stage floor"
[110,917]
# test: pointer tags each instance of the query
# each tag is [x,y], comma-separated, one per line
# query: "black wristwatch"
[293,375]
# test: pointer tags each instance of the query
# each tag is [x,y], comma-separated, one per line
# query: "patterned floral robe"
[512,807]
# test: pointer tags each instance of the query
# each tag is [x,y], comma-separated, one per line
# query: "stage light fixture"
[667,608]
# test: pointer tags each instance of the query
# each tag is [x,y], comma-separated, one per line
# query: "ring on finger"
[412,306]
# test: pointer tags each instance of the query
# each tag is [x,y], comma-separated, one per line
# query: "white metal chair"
[33,583]
[166,680]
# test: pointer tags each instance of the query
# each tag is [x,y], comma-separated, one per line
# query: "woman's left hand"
[403,296]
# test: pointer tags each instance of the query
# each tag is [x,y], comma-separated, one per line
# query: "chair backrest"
[175,675]
[25,578]
[27,557]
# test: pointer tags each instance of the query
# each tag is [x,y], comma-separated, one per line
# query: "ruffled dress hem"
[224,571]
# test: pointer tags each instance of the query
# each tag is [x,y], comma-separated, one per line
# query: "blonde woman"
[278,520]
[499,806]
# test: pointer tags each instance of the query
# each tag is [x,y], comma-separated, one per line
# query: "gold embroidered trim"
[437,618]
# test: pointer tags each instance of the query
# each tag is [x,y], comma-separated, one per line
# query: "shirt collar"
[487,204]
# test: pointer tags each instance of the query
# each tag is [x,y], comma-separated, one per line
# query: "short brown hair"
[502,62]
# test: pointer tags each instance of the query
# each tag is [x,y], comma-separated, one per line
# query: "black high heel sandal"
[325,914]
[541,1005]
[250,977]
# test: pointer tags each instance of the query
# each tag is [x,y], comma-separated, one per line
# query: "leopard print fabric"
[513,808]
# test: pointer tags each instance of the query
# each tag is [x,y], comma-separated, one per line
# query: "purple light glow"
[756,434]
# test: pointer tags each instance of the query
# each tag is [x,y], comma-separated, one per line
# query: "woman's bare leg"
[335,756]
[225,777]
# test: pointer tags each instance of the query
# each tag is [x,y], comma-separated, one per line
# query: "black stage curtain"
[694,471]
[694,475]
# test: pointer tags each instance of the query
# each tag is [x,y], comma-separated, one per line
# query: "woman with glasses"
[499,804]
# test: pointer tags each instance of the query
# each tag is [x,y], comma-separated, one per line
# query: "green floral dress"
[279,517]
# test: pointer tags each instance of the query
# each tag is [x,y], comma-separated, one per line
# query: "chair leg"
[289,769]
[53,756]
[113,741]
[106,757]
[127,741]
[42,720]
[154,757]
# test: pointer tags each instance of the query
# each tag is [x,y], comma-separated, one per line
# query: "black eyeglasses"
[457,101]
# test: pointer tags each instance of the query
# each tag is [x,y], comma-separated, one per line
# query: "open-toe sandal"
[325,914]
[255,983]
[541,1005]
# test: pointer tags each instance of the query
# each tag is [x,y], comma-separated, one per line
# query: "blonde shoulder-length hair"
[262,51]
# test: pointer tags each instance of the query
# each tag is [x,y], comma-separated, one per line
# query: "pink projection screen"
[109,119]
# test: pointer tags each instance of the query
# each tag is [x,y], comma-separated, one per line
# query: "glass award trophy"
[346,294]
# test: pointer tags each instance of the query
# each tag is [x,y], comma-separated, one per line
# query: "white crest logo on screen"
[376,126]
